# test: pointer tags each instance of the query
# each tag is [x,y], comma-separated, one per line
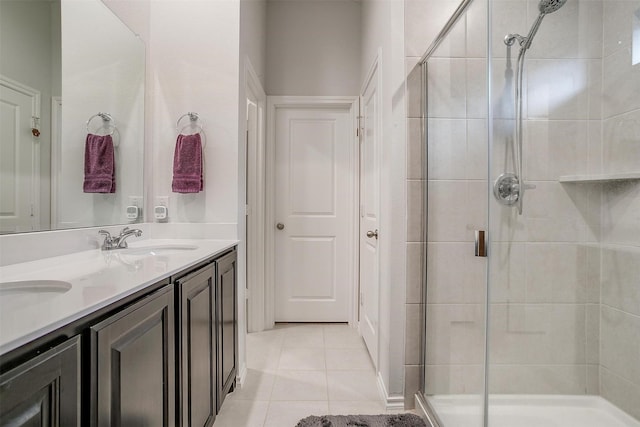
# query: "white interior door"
[18,160]
[369,217]
[314,170]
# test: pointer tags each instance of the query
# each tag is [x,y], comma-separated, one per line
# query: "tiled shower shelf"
[611,177]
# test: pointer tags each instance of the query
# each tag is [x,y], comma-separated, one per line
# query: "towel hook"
[106,120]
[194,118]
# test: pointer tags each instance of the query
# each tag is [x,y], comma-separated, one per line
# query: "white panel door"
[17,161]
[313,186]
[369,218]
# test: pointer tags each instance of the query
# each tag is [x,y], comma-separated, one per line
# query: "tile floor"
[297,370]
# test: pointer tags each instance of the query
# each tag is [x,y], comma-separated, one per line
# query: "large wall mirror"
[65,63]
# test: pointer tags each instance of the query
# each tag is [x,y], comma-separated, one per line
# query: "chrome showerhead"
[550,6]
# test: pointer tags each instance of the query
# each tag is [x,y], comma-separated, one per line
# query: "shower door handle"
[481,243]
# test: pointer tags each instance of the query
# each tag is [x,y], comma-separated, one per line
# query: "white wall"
[313,47]
[99,77]
[382,31]
[253,50]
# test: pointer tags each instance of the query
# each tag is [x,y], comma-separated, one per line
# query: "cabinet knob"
[371,234]
[280,226]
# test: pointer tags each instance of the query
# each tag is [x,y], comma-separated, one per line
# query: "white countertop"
[98,278]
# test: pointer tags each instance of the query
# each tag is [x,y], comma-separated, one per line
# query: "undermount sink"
[23,287]
[28,292]
[157,250]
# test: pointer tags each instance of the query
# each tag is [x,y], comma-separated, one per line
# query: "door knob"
[280,226]
[371,234]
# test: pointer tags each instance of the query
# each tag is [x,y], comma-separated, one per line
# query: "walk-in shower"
[544,330]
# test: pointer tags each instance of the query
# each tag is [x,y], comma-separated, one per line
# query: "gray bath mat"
[399,420]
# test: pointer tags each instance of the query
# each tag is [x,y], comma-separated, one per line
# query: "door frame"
[255,210]
[35,114]
[375,70]
[56,157]
[273,104]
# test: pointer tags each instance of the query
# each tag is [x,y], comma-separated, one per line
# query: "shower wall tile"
[423,21]
[415,150]
[508,17]
[456,210]
[508,272]
[415,209]
[621,142]
[414,88]
[593,379]
[593,334]
[537,334]
[477,149]
[558,89]
[413,319]
[620,392]
[555,273]
[620,343]
[447,146]
[411,384]
[621,279]
[621,83]
[502,98]
[594,89]
[477,29]
[593,273]
[447,88]
[454,274]
[455,379]
[594,152]
[476,88]
[574,31]
[618,18]
[538,379]
[455,334]
[621,204]
[556,147]
[415,257]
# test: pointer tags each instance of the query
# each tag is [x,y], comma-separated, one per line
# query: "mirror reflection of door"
[19,162]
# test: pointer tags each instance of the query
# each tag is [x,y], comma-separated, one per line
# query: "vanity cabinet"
[197,347]
[44,391]
[133,364]
[164,356]
[226,325]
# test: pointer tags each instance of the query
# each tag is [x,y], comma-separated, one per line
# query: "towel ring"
[106,118]
[194,118]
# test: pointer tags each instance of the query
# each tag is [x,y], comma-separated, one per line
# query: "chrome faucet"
[118,242]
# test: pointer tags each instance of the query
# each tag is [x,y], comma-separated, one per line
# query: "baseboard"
[390,402]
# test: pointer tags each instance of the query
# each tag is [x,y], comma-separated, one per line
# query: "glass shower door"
[455,131]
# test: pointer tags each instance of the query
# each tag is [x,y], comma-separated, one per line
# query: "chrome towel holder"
[194,120]
[107,121]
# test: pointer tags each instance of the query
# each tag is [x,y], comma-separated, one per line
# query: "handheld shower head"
[550,6]
[545,7]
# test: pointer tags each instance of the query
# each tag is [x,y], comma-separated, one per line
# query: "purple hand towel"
[99,164]
[187,164]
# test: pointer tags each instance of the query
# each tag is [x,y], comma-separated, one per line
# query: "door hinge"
[32,211]
[247,210]
[247,293]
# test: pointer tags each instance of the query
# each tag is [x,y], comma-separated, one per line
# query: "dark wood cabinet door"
[196,348]
[45,391]
[133,365]
[226,324]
